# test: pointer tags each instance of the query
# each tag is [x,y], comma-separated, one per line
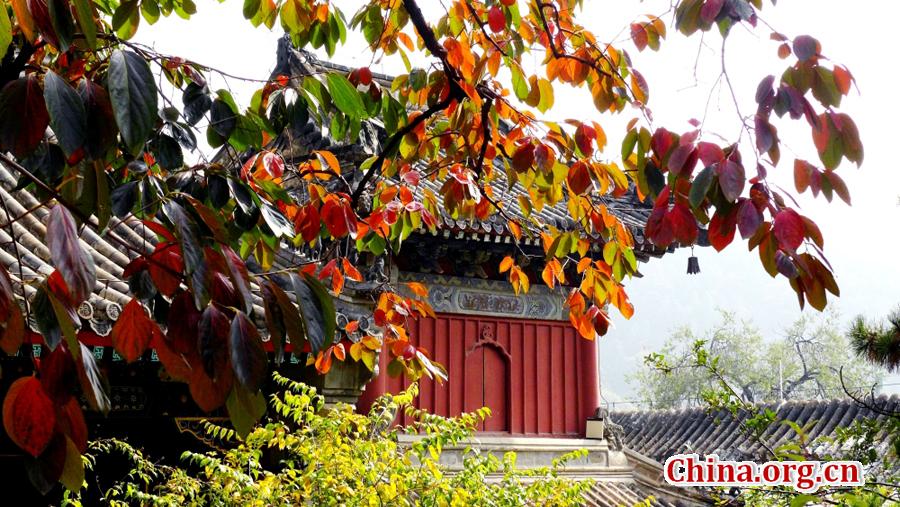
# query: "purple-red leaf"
[23,116]
[789,229]
[213,341]
[248,357]
[72,261]
[731,179]
[748,218]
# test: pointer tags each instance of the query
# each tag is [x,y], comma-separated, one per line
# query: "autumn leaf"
[29,416]
[72,261]
[789,230]
[132,333]
[248,357]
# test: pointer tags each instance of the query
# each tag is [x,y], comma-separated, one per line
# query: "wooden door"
[526,371]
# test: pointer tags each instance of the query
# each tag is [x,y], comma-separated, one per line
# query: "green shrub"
[310,454]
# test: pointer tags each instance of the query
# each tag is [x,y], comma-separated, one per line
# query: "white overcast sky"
[862,242]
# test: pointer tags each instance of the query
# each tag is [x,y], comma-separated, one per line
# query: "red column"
[590,379]
[376,387]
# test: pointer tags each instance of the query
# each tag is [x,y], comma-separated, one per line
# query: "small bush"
[310,454]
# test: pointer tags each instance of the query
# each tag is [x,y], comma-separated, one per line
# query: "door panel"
[496,389]
[528,375]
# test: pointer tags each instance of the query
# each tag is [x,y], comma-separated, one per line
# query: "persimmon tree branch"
[394,142]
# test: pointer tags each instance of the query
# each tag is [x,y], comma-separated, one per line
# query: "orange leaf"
[418,289]
[515,229]
[351,271]
[339,352]
[329,159]
[323,360]
[548,276]
[506,264]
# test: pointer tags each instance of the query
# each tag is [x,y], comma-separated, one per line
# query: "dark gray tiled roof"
[659,434]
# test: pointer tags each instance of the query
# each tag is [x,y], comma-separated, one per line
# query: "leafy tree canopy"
[807,362]
[83,125]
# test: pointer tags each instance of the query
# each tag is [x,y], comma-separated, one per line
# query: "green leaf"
[345,96]
[126,19]
[132,92]
[73,468]
[245,409]
[62,22]
[67,117]
[317,310]
[801,500]
[5,32]
[700,186]
[84,13]
[546,101]
[103,202]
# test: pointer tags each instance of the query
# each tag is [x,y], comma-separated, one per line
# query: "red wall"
[526,371]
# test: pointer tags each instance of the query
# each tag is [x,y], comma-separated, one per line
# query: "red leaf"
[842,78]
[710,10]
[639,36]
[274,164]
[165,266]
[683,224]
[661,142]
[57,372]
[133,331]
[334,218]
[709,153]
[496,19]
[176,364]
[748,218]
[29,415]
[74,263]
[351,271]
[584,136]
[523,159]
[72,423]
[658,228]
[721,229]
[679,158]
[23,115]
[731,179]
[579,178]
[307,222]
[207,393]
[183,324]
[160,230]
[802,174]
[789,230]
